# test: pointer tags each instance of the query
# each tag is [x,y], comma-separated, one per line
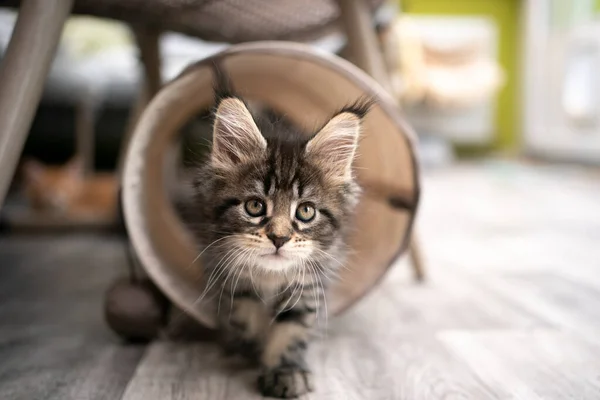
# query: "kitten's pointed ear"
[334,146]
[236,138]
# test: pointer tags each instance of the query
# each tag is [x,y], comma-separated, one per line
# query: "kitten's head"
[277,201]
[52,187]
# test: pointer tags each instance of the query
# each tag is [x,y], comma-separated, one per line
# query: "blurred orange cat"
[64,190]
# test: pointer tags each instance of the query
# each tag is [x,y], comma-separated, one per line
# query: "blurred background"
[474,79]
[504,97]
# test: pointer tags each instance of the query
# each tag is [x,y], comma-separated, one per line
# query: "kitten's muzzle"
[278,241]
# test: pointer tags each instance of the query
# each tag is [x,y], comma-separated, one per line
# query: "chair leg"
[365,52]
[22,75]
[148,41]
[416,259]
[363,43]
[85,133]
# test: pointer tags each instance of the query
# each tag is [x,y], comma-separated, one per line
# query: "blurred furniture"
[39,25]
[449,77]
[505,14]
[22,74]
[562,85]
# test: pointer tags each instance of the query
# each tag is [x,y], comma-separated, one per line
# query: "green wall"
[506,14]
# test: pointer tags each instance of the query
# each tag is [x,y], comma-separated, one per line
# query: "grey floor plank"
[68,368]
[54,343]
[186,371]
[447,301]
[392,367]
[511,309]
[564,304]
[351,367]
[576,297]
[539,364]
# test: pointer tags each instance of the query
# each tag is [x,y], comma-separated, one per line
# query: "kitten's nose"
[278,241]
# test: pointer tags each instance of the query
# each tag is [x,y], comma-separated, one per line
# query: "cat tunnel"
[307,86]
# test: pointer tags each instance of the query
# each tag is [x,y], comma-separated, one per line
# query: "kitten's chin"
[274,263]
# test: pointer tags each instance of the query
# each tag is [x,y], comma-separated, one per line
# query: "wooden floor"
[511,309]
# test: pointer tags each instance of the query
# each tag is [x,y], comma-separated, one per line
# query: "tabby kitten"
[274,205]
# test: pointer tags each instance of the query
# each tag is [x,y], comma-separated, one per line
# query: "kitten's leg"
[285,372]
[242,324]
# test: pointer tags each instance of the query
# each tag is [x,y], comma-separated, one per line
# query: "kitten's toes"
[285,382]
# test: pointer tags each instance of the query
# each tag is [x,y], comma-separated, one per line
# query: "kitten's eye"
[255,207]
[305,212]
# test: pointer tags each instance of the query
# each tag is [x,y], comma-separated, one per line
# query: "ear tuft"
[360,107]
[236,138]
[334,146]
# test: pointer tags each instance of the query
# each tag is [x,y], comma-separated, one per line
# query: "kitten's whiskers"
[207,247]
[230,272]
[320,281]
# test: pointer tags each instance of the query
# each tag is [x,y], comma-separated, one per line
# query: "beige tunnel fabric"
[308,87]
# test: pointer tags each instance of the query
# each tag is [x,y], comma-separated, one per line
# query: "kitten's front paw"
[285,382]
